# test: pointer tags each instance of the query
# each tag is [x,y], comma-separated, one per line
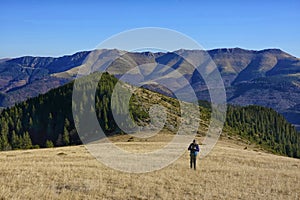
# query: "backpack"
[193,149]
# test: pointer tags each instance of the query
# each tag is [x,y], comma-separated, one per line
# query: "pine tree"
[49,144]
[15,141]
[26,140]
[50,126]
[66,139]
[67,124]
[59,141]
[4,144]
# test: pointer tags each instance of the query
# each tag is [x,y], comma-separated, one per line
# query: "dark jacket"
[193,148]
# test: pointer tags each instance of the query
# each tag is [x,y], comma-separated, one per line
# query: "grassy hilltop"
[228,172]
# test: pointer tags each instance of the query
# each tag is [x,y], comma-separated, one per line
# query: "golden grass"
[228,172]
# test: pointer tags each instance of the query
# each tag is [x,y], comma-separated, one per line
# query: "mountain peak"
[230,50]
[272,50]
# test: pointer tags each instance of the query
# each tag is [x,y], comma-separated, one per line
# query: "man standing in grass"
[194,149]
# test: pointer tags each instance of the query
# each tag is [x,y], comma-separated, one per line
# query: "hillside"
[228,172]
[47,120]
[25,77]
[269,78]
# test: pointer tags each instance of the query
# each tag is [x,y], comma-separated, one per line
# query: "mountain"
[269,77]
[48,120]
[25,77]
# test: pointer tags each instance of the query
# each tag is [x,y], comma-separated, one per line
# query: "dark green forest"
[265,127]
[47,120]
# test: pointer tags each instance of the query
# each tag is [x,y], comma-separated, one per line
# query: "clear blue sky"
[63,27]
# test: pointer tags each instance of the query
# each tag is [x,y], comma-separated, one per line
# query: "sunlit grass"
[228,172]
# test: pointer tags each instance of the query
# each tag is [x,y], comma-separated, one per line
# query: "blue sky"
[57,28]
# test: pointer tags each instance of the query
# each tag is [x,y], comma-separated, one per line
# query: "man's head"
[194,141]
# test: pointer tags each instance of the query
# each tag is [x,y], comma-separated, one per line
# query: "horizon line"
[143,50]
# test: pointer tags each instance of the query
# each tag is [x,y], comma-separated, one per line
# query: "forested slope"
[47,120]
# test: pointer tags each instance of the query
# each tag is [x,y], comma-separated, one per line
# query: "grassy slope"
[57,103]
[228,172]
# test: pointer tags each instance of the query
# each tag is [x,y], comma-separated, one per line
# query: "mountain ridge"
[222,49]
[269,77]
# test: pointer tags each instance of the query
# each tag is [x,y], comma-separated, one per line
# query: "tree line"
[265,127]
[47,120]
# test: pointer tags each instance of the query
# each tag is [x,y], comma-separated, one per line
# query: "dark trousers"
[193,161]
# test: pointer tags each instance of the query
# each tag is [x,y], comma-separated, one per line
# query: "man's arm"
[197,148]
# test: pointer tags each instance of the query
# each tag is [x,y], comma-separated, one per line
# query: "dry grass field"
[228,172]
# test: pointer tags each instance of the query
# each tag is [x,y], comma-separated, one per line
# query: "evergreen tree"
[66,139]
[26,141]
[4,144]
[16,142]
[59,141]
[49,144]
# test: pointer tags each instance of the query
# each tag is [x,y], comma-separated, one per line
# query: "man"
[194,149]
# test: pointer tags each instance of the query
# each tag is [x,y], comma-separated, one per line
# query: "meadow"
[230,171]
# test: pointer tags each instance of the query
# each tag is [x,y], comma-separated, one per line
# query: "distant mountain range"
[269,78]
